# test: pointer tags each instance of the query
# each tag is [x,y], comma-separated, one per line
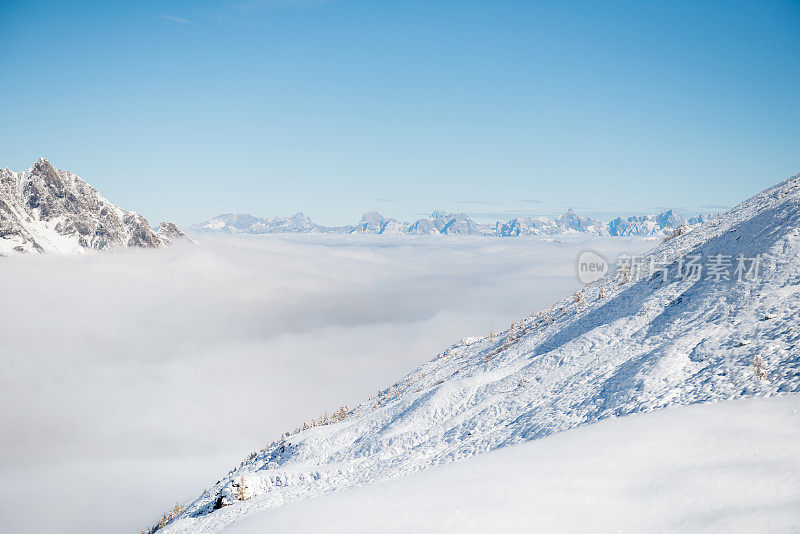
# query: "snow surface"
[721,467]
[623,347]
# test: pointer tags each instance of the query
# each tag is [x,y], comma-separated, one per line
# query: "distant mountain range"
[440,222]
[45,209]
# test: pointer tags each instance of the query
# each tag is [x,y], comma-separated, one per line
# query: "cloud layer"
[130,380]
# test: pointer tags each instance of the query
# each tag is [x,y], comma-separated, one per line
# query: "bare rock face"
[45,209]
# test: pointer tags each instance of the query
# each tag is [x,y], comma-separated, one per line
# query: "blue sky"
[183,110]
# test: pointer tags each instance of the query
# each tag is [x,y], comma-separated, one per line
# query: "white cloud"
[132,379]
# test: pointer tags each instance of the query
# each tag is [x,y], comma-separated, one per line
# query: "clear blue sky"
[182,110]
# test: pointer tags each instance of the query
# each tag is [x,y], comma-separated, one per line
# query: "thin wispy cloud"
[178,20]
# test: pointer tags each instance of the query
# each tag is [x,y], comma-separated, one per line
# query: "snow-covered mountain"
[568,223]
[646,224]
[244,223]
[523,226]
[374,223]
[625,344]
[45,209]
[170,233]
[445,223]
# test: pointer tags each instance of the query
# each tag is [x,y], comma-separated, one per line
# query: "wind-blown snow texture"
[440,222]
[714,467]
[45,209]
[645,345]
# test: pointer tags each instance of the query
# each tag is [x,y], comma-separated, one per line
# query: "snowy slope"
[622,346]
[719,467]
[45,209]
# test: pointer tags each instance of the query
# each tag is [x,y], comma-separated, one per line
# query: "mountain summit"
[45,209]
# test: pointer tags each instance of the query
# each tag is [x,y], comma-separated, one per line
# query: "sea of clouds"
[134,379]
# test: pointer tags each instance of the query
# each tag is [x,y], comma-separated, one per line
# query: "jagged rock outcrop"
[45,209]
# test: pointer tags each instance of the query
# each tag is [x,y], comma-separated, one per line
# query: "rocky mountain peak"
[170,232]
[47,209]
[372,217]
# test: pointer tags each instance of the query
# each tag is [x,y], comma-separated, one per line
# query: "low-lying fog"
[134,379]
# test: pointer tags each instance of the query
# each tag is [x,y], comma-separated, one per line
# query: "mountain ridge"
[447,223]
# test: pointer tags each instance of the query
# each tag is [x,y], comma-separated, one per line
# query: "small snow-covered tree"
[758,366]
[340,414]
[602,293]
[241,490]
[168,516]
[624,275]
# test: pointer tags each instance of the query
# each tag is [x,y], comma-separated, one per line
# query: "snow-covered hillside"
[625,344]
[445,223]
[716,467]
[45,209]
